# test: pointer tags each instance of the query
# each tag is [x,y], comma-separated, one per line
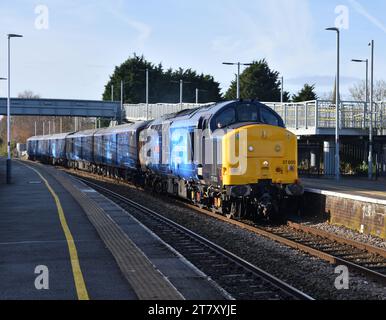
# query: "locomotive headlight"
[265,164]
[291,168]
[251,149]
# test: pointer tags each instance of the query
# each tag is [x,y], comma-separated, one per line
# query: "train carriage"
[79,149]
[116,149]
[57,148]
[49,148]
[127,145]
[106,140]
[32,148]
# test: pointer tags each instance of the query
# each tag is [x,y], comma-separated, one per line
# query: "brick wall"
[366,217]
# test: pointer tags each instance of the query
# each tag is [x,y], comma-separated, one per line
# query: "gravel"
[311,275]
[350,234]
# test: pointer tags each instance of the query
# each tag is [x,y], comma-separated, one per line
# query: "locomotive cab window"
[247,113]
[226,118]
[268,117]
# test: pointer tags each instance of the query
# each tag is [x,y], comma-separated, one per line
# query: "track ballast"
[239,278]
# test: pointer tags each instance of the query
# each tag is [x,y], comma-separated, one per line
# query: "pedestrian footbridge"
[59,107]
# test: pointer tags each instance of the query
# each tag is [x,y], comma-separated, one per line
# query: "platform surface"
[32,235]
[361,187]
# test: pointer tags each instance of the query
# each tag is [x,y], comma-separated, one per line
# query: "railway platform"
[357,204]
[360,187]
[62,240]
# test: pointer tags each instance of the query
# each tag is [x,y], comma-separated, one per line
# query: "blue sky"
[86,39]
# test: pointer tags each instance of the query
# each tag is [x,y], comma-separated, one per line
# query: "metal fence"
[304,115]
[322,114]
[140,112]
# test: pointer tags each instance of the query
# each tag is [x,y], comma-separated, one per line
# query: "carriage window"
[247,113]
[270,118]
[226,118]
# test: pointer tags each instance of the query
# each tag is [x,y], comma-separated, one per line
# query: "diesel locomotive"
[235,158]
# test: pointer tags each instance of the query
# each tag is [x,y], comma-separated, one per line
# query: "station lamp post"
[122,97]
[197,94]
[147,94]
[181,82]
[238,64]
[337,115]
[282,90]
[371,44]
[367,88]
[181,92]
[123,83]
[9,36]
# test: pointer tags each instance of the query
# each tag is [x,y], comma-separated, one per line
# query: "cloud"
[108,12]
[144,30]
[280,30]
[361,10]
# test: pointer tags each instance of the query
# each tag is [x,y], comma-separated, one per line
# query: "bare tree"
[358,91]
[27,94]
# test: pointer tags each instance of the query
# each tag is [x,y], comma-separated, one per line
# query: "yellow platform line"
[80,285]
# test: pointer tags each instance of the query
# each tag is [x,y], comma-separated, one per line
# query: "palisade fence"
[140,112]
[297,116]
[322,114]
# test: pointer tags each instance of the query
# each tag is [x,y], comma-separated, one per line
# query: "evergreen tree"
[305,94]
[164,86]
[259,82]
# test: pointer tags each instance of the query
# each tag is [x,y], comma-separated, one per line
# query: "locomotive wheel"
[158,187]
[233,212]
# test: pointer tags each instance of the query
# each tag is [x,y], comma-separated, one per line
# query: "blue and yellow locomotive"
[235,158]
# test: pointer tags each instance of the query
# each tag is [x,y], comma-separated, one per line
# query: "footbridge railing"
[309,117]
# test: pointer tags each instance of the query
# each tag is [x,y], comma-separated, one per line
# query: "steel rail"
[288,289]
[303,247]
[325,234]
[307,249]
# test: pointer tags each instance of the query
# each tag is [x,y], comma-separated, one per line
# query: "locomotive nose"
[259,152]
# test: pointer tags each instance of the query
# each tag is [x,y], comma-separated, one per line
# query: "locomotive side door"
[206,152]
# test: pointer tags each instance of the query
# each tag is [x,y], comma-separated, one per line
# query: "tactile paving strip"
[146,280]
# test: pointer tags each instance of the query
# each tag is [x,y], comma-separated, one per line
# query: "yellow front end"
[259,152]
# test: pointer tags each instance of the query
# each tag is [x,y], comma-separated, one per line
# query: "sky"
[71,47]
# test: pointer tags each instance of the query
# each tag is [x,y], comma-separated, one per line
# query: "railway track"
[357,256]
[369,261]
[239,278]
